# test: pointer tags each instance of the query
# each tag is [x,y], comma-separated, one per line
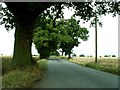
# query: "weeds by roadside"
[42,64]
[22,77]
[106,68]
[109,65]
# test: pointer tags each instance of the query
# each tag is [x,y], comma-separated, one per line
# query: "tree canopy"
[46,38]
[65,36]
[53,10]
[23,16]
[72,32]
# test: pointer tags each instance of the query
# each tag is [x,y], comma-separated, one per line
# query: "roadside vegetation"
[22,77]
[106,64]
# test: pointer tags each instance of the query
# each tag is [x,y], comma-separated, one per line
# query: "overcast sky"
[107,38]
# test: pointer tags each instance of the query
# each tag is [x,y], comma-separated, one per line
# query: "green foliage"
[91,56]
[56,53]
[54,11]
[72,32]
[113,56]
[8,19]
[46,39]
[102,8]
[82,55]
[106,56]
[74,55]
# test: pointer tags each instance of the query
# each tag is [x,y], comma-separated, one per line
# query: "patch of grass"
[42,64]
[6,64]
[16,79]
[106,68]
[54,57]
[107,64]
[6,57]
[35,58]
[22,77]
[63,57]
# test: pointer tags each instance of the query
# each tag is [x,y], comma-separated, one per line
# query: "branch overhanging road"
[64,74]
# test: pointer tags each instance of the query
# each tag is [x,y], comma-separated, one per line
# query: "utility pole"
[95,38]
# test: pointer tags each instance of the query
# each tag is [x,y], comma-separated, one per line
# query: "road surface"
[64,74]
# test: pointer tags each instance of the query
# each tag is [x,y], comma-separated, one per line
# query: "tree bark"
[65,53]
[62,52]
[69,56]
[22,46]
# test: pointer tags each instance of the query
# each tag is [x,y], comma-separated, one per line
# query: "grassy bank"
[106,64]
[21,77]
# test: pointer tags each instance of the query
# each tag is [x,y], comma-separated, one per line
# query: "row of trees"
[64,36]
[82,55]
[23,17]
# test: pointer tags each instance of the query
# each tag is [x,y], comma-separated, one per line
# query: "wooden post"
[95,38]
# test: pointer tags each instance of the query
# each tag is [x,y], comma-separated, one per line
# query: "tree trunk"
[25,15]
[22,46]
[62,52]
[69,56]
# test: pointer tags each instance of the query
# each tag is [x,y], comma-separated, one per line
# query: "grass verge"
[105,68]
[63,57]
[42,64]
[22,77]
[109,65]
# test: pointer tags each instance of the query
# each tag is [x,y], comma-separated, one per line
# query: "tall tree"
[74,32]
[46,39]
[23,16]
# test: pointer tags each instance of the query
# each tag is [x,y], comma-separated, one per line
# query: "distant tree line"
[109,56]
[82,55]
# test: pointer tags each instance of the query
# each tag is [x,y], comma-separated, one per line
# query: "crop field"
[101,60]
[107,64]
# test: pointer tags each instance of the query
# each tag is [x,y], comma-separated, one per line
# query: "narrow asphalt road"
[64,74]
